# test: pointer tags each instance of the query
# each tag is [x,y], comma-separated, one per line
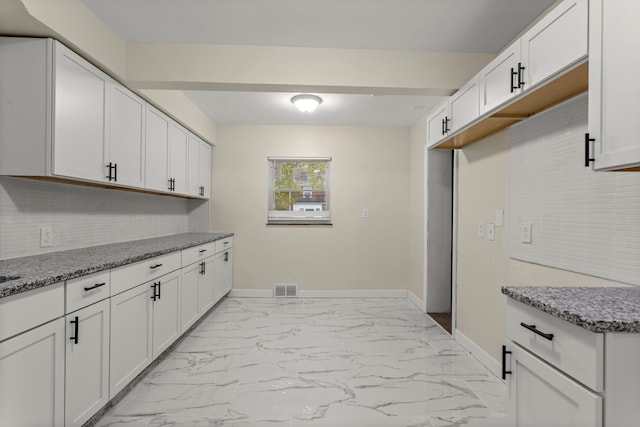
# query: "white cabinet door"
[79,115]
[131,336]
[464,105]
[189,296]
[124,147]
[193,164]
[542,396]
[438,123]
[178,143]
[204,170]
[199,166]
[223,272]
[556,41]
[87,362]
[205,284]
[166,312]
[32,377]
[499,79]
[156,150]
[614,89]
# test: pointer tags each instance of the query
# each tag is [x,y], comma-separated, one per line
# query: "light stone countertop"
[596,309]
[33,272]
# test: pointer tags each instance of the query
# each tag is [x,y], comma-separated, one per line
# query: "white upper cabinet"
[464,105]
[52,111]
[614,104]
[438,124]
[78,126]
[204,170]
[157,150]
[178,143]
[538,70]
[558,40]
[63,118]
[199,167]
[124,147]
[499,79]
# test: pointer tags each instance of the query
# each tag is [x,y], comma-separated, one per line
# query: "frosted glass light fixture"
[306,103]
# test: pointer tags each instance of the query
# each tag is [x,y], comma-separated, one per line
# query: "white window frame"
[279,217]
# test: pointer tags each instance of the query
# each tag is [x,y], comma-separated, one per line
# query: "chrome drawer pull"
[533,329]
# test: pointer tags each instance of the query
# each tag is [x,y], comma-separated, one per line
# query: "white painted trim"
[352,293]
[347,293]
[416,301]
[425,225]
[476,351]
[251,293]
[454,242]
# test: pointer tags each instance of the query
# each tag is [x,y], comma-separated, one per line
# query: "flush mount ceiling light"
[306,103]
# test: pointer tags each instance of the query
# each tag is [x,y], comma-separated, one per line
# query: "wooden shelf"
[565,86]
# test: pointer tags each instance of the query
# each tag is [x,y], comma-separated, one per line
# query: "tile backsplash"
[82,216]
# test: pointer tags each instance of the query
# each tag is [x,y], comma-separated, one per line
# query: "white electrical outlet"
[491,231]
[365,213]
[526,232]
[480,228]
[45,237]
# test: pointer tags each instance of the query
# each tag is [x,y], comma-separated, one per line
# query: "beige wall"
[416,208]
[369,170]
[484,266]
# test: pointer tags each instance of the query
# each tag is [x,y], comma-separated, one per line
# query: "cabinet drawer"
[27,310]
[572,349]
[197,253]
[128,276]
[86,290]
[224,244]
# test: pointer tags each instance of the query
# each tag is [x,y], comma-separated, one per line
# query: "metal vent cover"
[285,290]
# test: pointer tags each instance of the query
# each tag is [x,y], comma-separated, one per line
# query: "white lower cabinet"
[189,296]
[145,321]
[166,312]
[539,395]
[223,270]
[32,377]
[562,375]
[86,362]
[131,336]
[206,285]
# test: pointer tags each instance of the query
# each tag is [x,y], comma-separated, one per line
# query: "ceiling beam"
[295,69]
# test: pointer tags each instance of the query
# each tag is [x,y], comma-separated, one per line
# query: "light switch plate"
[491,231]
[527,228]
[499,217]
[365,213]
[480,228]
[45,237]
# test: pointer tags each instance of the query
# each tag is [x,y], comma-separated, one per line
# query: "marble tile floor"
[347,362]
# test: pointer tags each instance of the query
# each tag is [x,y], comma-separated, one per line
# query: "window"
[299,190]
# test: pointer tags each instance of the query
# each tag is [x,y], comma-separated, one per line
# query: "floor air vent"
[285,290]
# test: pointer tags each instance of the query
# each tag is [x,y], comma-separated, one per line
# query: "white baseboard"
[302,293]
[483,357]
[351,293]
[416,301]
[251,293]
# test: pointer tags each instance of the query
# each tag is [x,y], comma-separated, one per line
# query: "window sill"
[302,223]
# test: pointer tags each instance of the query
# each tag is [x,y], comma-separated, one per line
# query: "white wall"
[86,216]
[370,169]
[484,266]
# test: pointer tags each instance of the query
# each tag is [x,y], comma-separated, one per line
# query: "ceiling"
[479,26]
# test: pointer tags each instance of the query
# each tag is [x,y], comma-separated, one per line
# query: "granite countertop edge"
[37,271]
[597,309]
